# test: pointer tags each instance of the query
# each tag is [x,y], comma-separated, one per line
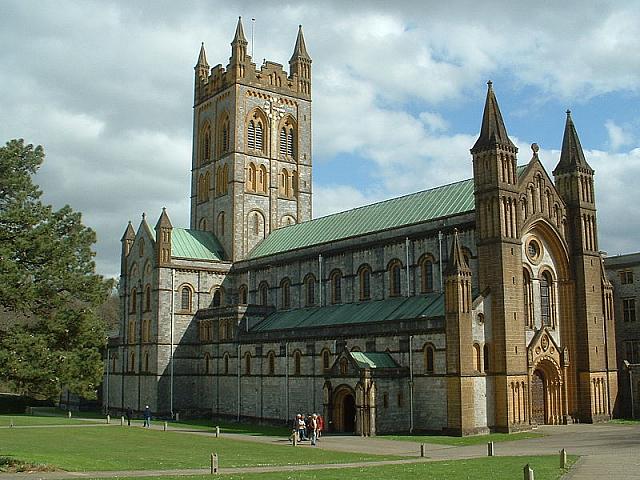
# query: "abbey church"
[472,307]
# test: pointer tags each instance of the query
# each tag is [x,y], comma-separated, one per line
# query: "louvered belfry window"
[251,135]
[290,143]
[283,141]
[259,136]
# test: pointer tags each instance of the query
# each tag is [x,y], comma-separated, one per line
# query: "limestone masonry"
[472,307]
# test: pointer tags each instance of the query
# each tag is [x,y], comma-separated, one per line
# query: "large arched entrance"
[547,398]
[344,410]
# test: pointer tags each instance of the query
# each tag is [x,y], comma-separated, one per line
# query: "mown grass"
[493,468]
[625,421]
[24,420]
[233,427]
[464,441]
[129,448]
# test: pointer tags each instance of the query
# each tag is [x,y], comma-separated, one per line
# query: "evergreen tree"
[48,286]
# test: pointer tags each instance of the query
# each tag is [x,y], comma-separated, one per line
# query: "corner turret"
[163,239]
[300,65]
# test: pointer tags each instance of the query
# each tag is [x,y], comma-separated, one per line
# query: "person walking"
[147,417]
[320,420]
[301,428]
[129,414]
[313,423]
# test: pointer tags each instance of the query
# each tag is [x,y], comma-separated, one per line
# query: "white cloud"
[618,136]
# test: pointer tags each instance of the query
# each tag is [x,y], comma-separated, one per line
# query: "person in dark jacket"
[129,414]
[147,417]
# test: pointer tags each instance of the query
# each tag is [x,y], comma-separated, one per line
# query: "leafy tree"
[48,286]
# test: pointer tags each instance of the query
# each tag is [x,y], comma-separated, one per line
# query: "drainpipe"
[286,379]
[173,296]
[410,384]
[406,244]
[107,385]
[238,369]
[319,283]
[440,257]
[606,357]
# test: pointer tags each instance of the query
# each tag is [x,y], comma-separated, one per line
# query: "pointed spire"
[129,233]
[239,36]
[164,221]
[571,155]
[202,58]
[300,50]
[493,131]
[457,262]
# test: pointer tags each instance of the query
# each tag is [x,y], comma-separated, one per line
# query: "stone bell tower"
[251,166]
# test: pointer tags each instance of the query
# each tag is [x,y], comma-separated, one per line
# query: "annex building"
[476,306]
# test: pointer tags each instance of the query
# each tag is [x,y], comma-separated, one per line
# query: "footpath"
[608,451]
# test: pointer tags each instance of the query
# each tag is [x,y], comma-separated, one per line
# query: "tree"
[48,286]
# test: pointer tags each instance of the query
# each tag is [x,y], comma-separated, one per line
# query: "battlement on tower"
[241,70]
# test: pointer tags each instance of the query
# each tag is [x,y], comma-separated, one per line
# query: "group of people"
[307,427]
[146,415]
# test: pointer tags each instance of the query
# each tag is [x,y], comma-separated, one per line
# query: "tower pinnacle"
[571,155]
[300,50]
[239,36]
[202,58]
[492,132]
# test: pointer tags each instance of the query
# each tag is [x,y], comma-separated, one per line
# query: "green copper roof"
[400,308]
[195,244]
[397,212]
[374,360]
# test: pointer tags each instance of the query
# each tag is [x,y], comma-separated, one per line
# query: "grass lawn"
[123,448]
[232,427]
[21,420]
[624,421]
[463,441]
[493,468]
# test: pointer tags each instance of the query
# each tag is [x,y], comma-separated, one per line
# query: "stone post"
[108,419]
[11,424]
[528,473]
[563,458]
[217,431]
[164,427]
[423,449]
[214,463]
[490,450]
[177,417]
[68,413]
[121,421]
[295,438]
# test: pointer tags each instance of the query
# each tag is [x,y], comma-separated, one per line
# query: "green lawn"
[625,421]
[118,448]
[232,427]
[21,420]
[493,468]
[463,441]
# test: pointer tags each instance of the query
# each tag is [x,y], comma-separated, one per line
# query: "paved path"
[608,451]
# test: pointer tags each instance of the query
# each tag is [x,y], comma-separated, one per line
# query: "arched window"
[310,290]
[294,184]
[485,351]
[114,360]
[146,361]
[287,140]
[546,285]
[222,330]
[395,269]
[247,363]
[225,179]
[242,295]
[336,287]
[226,364]
[262,183]
[225,134]
[217,297]
[132,331]
[205,143]
[221,224]
[527,287]
[365,282]
[185,299]
[297,357]
[132,366]
[147,298]
[264,294]
[426,272]
[206,185]
[207,364]
[326,365]
[344,366]
[251,134]
[428,359]
[133,300]
[284,183]
[251,177]
[271,362]
[476,357]
[285,289]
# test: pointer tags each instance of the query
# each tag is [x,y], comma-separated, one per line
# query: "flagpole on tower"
[253,22]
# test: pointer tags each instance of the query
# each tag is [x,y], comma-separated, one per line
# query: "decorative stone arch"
[428,357]
[243,294]
[224,134]
[335,283]
[426,263]
[186,296]
[288,138]
[344,410]
[204,153]
[256,127]
[263,293]
[394,270]
[217,293]
[309,290]
[271,362]
[364,281]
[287,220]
[285,293]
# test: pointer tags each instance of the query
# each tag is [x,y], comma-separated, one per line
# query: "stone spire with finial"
[492,131]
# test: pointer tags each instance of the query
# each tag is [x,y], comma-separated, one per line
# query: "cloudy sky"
[398,91]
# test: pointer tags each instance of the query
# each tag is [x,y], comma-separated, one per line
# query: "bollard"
[217,431]
[177,417]
[68,413]
[528,473]
[490,450]
[295,438]
[165,426]
[563,458]
[423,449]
[121,421]
[108,419]
[214,463]
[11,424]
